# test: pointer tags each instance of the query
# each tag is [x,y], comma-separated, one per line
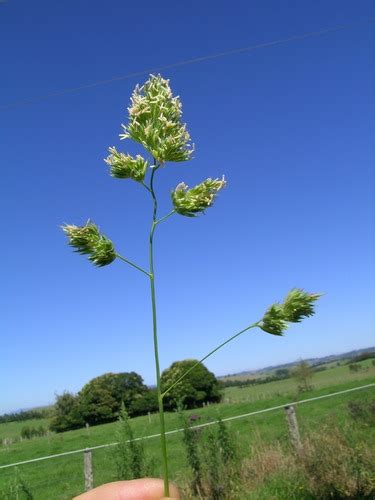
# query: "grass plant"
[154,121]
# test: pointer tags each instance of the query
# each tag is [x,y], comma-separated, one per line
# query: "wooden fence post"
[293,428]
[87,469]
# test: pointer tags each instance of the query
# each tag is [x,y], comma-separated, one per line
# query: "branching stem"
[165,217]
[132,264]
[254,325]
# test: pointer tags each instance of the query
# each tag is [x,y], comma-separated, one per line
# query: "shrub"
[16,489]
[66,413]
[191,439]
[335,469]
[332,465]
[213,459]
[355,367]
[362,411]
[303,375]
[129,454]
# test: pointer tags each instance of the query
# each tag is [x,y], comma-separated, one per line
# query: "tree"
[66,413]
[282,373]
[198,387]
[303,374]
[101,398]
[144,403]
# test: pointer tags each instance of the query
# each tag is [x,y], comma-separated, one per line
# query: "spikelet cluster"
[123,166]
[155,122]
[297,305]
[87,240]
[190,202]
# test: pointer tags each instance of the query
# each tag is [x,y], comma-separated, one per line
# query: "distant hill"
[312,361]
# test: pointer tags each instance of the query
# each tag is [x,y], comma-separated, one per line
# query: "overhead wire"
[195,60]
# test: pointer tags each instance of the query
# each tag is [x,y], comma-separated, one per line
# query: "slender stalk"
[165,217]
[132,264]
[155,336]
[254,325]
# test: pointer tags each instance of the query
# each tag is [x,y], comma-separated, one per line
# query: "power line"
[71,90]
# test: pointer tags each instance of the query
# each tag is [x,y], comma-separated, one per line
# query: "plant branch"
[145,186]
[132,264]
[165,217]
[254,325]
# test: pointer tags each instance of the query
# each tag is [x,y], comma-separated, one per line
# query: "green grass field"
[62,478]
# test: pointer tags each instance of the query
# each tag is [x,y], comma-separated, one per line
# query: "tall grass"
[336,462]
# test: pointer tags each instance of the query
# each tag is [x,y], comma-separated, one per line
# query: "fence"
[288,407]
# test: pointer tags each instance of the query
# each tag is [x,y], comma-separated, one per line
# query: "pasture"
[62,477]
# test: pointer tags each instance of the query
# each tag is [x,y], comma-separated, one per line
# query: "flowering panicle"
[87,240]
[155,122]
[274,320]
[190,202]
[297,305]
[126,166]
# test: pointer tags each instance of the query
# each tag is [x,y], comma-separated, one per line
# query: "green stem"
[165,217]
[132,264]
[254,325]
[155,335]
[145,186]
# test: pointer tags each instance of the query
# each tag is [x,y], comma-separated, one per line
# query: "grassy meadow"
[62,478]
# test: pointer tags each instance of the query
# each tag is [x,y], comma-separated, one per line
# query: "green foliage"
[355,367]
[25,415]
[28,432]
[213,459]
[282,373]
[66,413]
[53,479]
[303,374]
[190,202]
[101,399]
[87,240]
[363,412]
[144,403]
[190,440]
[198,387]
[16,489]
[364,356]
[128,454]
[336,468]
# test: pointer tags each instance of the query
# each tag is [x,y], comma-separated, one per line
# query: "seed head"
[274,320]
[155,122]
[87,240]
[190,202]
[126,166]
[297,305]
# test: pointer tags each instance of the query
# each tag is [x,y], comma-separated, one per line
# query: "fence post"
[87,469]
[293,427]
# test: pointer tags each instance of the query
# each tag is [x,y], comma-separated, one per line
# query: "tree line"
[100,400]
[22,415]
[280,374]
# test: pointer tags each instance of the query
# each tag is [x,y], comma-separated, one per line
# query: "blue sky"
[291,127]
